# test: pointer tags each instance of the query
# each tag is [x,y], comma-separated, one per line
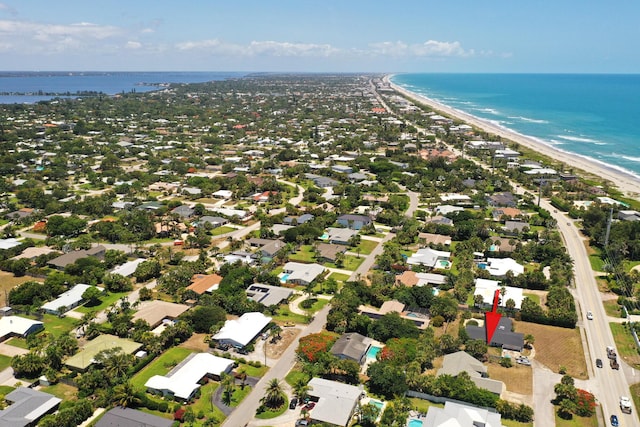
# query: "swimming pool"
[377,404]
[373,352]
[415,423]
[412,315]
[284,277]
[482,265]
[324,236]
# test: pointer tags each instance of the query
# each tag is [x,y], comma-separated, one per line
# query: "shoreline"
[626,183]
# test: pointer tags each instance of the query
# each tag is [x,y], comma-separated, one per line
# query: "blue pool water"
[482,265]
[373,352]
[284,277]
[324,236]
[415,423]
[412,315]
[377,404]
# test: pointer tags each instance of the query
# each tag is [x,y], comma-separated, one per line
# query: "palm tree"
[273,398]
[228,383]
[301,389]
[125,395]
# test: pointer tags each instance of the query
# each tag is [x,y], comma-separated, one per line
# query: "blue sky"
[585,36]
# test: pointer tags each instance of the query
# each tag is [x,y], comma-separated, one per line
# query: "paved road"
[245,412]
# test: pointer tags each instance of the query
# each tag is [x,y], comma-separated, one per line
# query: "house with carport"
[240,332]
[301,274]
[335,402]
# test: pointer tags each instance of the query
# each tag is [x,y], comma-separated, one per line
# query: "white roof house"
[336,401]
[16,325]
[458,415]
[224,194]
[9,243]
[183,381]
[128,268]
[488,288]
[69,299]
[428,257]
[240,332]
[500,266]
[301,273]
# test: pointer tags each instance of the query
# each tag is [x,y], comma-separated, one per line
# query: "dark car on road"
[614,421]
[293,403]
[599,363]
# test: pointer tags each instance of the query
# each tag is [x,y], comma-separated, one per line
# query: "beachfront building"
[336,402]
[185,379]
[487,289]
[240,332]
[67,300]
[430,258]
[26,407]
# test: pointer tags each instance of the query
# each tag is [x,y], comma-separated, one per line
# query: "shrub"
[437,321]
[506,362]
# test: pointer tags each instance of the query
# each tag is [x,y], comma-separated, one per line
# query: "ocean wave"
[555,142]
[488,110]
[527,119]
[579,139]
[630,158]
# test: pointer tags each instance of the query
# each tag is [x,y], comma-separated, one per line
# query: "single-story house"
[230,213]
[515,227]
[85,357]
[440,220]
[184,380]
[9,243]
[127,417]
[487,289]
[322,181]
[183,211]
[33,252]
[12,326]
[244,257]
[499,267]
[297,220]
[223,194]
[340,236]
[342,169]
[215,221]
[201,283]
[155,311]
[240,332]
[336,402]
[498,213]
[447,209]
[502,337]
[502,244]
[301,274]
[430,258]
[67,300]
[460,361]
[328,252]
[506,199]
[268,295]
[354,222]
[352,346]
[128,268]
[27,407]
[629,215]
[436,239]
[411,278]
[421,320]
[69,258]
[456,414]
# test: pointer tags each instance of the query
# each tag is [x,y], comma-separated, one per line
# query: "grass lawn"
[105,301]
[238,395]
[285,315]
[5,362]
[366,246]
[6,389]
[635,394]
[252,371]
[222,230]
[8,281]
[161,365]
[294,376]
[203,404]
[597,264]
[422,405]
[612,308]
[18,342]
[339,277]
[317,305]
[533,297]
[304,254]
[577,422]
[557,347]
[350,263]
[518,378]
[57,326]
[62,391]
[267,414]
[511,423]
[625,343]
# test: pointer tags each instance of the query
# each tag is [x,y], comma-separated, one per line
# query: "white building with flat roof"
[67,300]
[488,288]
[184,380]
[18,326]
[458,415]
[240,332]
[500,266]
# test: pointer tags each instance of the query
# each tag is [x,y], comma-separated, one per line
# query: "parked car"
[302,423]
[599,363]
[614,421]
[309,406]
[523,360]
[293,403]
[589,315]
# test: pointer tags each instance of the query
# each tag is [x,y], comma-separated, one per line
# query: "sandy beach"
[626,183]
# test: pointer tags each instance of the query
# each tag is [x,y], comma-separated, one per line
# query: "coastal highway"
[608,384]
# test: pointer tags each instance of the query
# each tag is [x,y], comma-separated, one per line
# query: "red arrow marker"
[492,318]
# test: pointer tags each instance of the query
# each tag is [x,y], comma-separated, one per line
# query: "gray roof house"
[459,361]
[69,258]
[298,220]
[268,295]
[215,221]
[329,252]
[127,417]
[27,407]
[502,337]
[351,346]
[340,236]
[184,211]
[302,274]
[355,222]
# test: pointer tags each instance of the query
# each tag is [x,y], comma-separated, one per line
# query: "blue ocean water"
[592,115]
[109,83]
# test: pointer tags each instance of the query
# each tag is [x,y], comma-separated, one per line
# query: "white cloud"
[430,48]
[133,45]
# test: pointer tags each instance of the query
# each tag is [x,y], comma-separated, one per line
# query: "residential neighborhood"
[285,250]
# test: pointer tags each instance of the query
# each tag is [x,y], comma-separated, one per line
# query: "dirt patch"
[275,350]
[556,347]
[196,342]
[518,378]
